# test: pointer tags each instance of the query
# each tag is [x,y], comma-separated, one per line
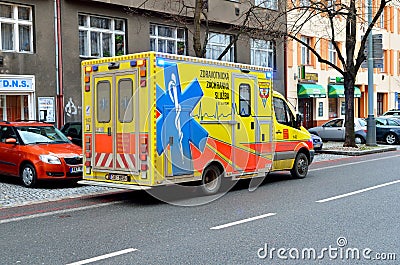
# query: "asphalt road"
[344,209]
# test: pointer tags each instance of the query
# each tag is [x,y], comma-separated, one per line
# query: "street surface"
[345,212]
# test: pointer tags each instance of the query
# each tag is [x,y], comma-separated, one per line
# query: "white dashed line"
[242,221]
[106,256]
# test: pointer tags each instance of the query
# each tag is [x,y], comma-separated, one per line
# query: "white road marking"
[57,212]
[352,163]
[359,191]
[242,221]
[106,256]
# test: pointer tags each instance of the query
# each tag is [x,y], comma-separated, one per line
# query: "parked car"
[36,151]
[387,130]
[335,130]
[317,141]
[392,112]
[73,130]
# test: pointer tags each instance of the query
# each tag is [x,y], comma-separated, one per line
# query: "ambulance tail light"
[143,153]
[88,153]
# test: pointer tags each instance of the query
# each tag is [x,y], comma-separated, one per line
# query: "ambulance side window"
[103,101]
[244,100]
[125,104]
[282,112]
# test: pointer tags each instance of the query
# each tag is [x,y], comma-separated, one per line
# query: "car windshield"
[41,134]
[362,122]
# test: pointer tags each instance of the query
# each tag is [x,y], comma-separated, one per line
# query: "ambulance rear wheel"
[300,167]
[212,180]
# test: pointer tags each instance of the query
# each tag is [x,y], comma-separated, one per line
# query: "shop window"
[14,107]
[333,108]
[320,109]
[379,107]
[101,36]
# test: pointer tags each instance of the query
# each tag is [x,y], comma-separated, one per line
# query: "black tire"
[211,181]
[28,175]
[300,167]
[391,138]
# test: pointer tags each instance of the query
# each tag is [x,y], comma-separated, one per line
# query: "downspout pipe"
[58,61]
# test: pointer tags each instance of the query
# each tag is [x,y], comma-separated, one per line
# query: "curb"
[357,153]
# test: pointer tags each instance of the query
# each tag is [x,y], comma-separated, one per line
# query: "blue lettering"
[14,83]
[6,83]
[23,83]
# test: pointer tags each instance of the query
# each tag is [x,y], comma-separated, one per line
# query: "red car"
[37,151]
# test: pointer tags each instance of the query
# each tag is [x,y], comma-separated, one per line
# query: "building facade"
[316,89]
[43,43]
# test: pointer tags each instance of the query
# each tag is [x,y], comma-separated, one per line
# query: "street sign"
[377,51]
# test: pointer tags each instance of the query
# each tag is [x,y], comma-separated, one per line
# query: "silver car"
[335,130]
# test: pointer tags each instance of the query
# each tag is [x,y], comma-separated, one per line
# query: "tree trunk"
[197,31]
[349,107]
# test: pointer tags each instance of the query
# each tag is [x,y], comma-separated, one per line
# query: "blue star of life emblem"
[176,126]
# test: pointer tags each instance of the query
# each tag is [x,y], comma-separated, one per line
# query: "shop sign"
[16,83]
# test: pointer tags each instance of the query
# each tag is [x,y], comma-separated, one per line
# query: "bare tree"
[332,19]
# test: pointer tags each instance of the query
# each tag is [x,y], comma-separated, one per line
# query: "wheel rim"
[390,139]
[358,140]
[302,166]
[210,180]
[27,176]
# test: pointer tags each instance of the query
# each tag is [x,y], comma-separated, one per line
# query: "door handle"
[109,131]
[278,132]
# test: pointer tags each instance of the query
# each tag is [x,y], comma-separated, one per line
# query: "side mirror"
[11,141]
[299,120]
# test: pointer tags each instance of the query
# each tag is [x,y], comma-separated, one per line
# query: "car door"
[9,152]
[333,130]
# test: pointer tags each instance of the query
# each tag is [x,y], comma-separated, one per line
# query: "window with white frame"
[270,4]
[382,20]
[167,39]
[263,53]
[305,52]
[332,53]
[16,28]
[217,42]
[101,36]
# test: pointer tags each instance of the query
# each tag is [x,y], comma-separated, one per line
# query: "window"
[382,20]
[332,53]
[270,4]
[320,109]
[125,104]
[103,101]
[263,53]
[379,107]
[244,100]
[335,123]
[305,3]
[101,36]
[216,45]
[305,52]
[16,28]
[167,39]
[14,107]
[283,114]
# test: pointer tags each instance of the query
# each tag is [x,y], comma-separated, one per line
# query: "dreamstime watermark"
[340,251]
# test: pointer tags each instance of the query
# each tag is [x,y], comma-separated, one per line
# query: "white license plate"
[75,170]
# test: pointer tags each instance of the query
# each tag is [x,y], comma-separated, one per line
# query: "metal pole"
[371,126]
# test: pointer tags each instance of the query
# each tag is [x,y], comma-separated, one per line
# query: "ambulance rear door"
[115,121]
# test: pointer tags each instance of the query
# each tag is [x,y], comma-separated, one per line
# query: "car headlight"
[49,159]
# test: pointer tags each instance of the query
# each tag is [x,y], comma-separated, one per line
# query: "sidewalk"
[338,149]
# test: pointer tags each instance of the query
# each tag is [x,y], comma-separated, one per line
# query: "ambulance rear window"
[125,104]
[103,101]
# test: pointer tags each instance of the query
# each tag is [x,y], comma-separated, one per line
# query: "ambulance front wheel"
[300,167]
[211,180]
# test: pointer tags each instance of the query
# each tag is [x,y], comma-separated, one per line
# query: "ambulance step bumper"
[114,185]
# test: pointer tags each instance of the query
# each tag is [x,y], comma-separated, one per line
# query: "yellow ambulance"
[153,119]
